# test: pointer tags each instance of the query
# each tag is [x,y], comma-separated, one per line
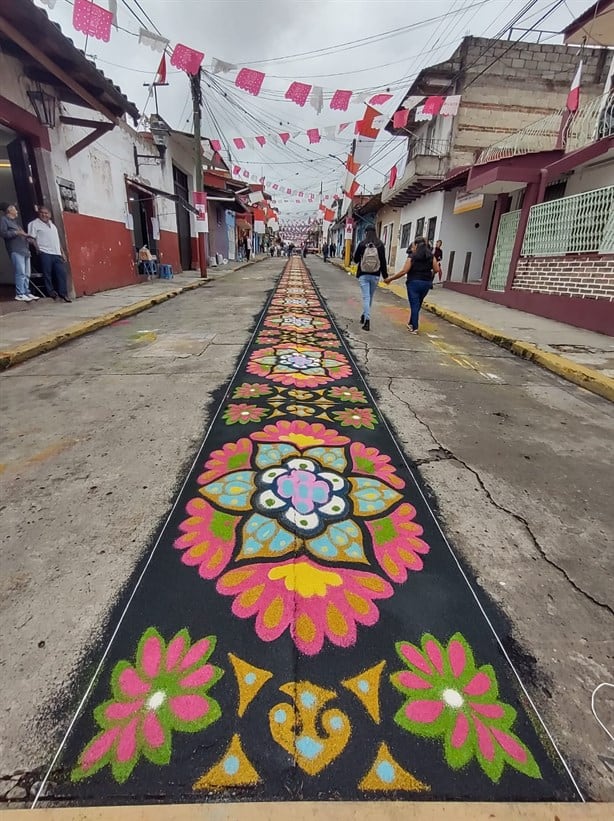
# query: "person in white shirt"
[52,257]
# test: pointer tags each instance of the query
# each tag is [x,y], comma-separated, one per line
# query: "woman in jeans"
[374,267]
[420,268]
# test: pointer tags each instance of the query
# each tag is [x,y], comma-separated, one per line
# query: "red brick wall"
[100,252]
[585,276]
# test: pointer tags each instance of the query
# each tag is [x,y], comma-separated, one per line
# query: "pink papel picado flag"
[340,100]
[250,81]
[298,93]
[187,59]
[92,20]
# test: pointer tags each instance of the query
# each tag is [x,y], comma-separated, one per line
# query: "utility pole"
[195,86]
[348,242]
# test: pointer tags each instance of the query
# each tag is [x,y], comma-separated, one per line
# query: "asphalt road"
[98,434]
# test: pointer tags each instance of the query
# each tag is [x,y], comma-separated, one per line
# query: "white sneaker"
[29,297]
[22,298]
[32,297]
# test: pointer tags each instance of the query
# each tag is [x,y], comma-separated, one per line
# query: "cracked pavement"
[97,434]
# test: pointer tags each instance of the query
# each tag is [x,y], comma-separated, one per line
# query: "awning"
[149,189]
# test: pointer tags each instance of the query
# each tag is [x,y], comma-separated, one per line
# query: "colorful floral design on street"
[242,414]
[298,323]
[252,390]
[355,418]
[300,365]
[449,697]
[289,489]
[347,393]
[165,690]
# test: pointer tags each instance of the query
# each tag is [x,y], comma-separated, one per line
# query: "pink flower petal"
[152,656]
[188,708]
[460,732]
[199,677]
[152,730]
[478,686]
[195,654]
[434,654]
[416,658]
[126,746]
[413,682]
[122,709]
[456,656]
[98,748]
[131,684]
[488,710]
[424,712]
[510,745]
[485,742]
[174,652]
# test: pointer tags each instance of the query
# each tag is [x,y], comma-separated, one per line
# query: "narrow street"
[409,578]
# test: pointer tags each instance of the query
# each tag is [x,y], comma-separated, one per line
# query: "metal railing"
[591,122]
[539,136]
[426,147]
[581,223]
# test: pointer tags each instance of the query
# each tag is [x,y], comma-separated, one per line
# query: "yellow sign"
[467,202]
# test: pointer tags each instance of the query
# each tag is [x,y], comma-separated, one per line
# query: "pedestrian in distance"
[17,244]
[420,269]
[325,252]
[438,254]
[370,256]
[51,255]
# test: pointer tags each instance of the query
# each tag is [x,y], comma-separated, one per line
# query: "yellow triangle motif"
[386,775]
[250,680]
[232,770]
[366,688]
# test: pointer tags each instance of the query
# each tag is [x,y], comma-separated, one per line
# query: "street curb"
[28,350]
[581,375]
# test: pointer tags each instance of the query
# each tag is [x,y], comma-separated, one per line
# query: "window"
[419,228]
[405,234]
[432,227]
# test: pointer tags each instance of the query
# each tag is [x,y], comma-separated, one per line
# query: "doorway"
[19,185]
[142,209]
[180,182]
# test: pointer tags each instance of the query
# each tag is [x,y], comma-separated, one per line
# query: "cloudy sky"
[280,37]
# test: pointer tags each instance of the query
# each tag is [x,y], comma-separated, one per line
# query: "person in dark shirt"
[438,254]
[368,279]
[420,269]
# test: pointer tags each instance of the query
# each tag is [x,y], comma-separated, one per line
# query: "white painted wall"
[598,174]
[462,233]
[428,206]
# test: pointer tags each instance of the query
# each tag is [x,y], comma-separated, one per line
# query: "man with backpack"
[370,256]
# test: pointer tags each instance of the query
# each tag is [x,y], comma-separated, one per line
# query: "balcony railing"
[591,122]
[426,147]
[582,223]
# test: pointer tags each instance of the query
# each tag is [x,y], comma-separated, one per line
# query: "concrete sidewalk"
[29,329]
[583,357]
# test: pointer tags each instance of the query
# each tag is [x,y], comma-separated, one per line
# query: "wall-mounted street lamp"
[44,106]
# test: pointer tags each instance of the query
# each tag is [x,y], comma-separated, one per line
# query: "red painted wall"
[588,313]
[101,254]
[168,250]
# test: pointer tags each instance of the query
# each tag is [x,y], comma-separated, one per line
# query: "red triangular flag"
[573,98]
[400,118]
[160,79]
[393,177]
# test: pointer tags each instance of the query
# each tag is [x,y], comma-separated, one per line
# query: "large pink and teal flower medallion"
[449,697]
[283,516]
[165,690]
[304,366]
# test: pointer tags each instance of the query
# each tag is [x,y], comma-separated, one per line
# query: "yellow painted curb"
[34,347]
[331,811]
[588,378]
[581,375]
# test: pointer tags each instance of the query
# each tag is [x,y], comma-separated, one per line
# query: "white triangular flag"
[222,67]
[113,10]
[450,105]
[330,132]
[154,41]
[316,100]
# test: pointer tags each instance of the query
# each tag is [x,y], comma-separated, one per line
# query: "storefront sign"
[467,202]
[349,228]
